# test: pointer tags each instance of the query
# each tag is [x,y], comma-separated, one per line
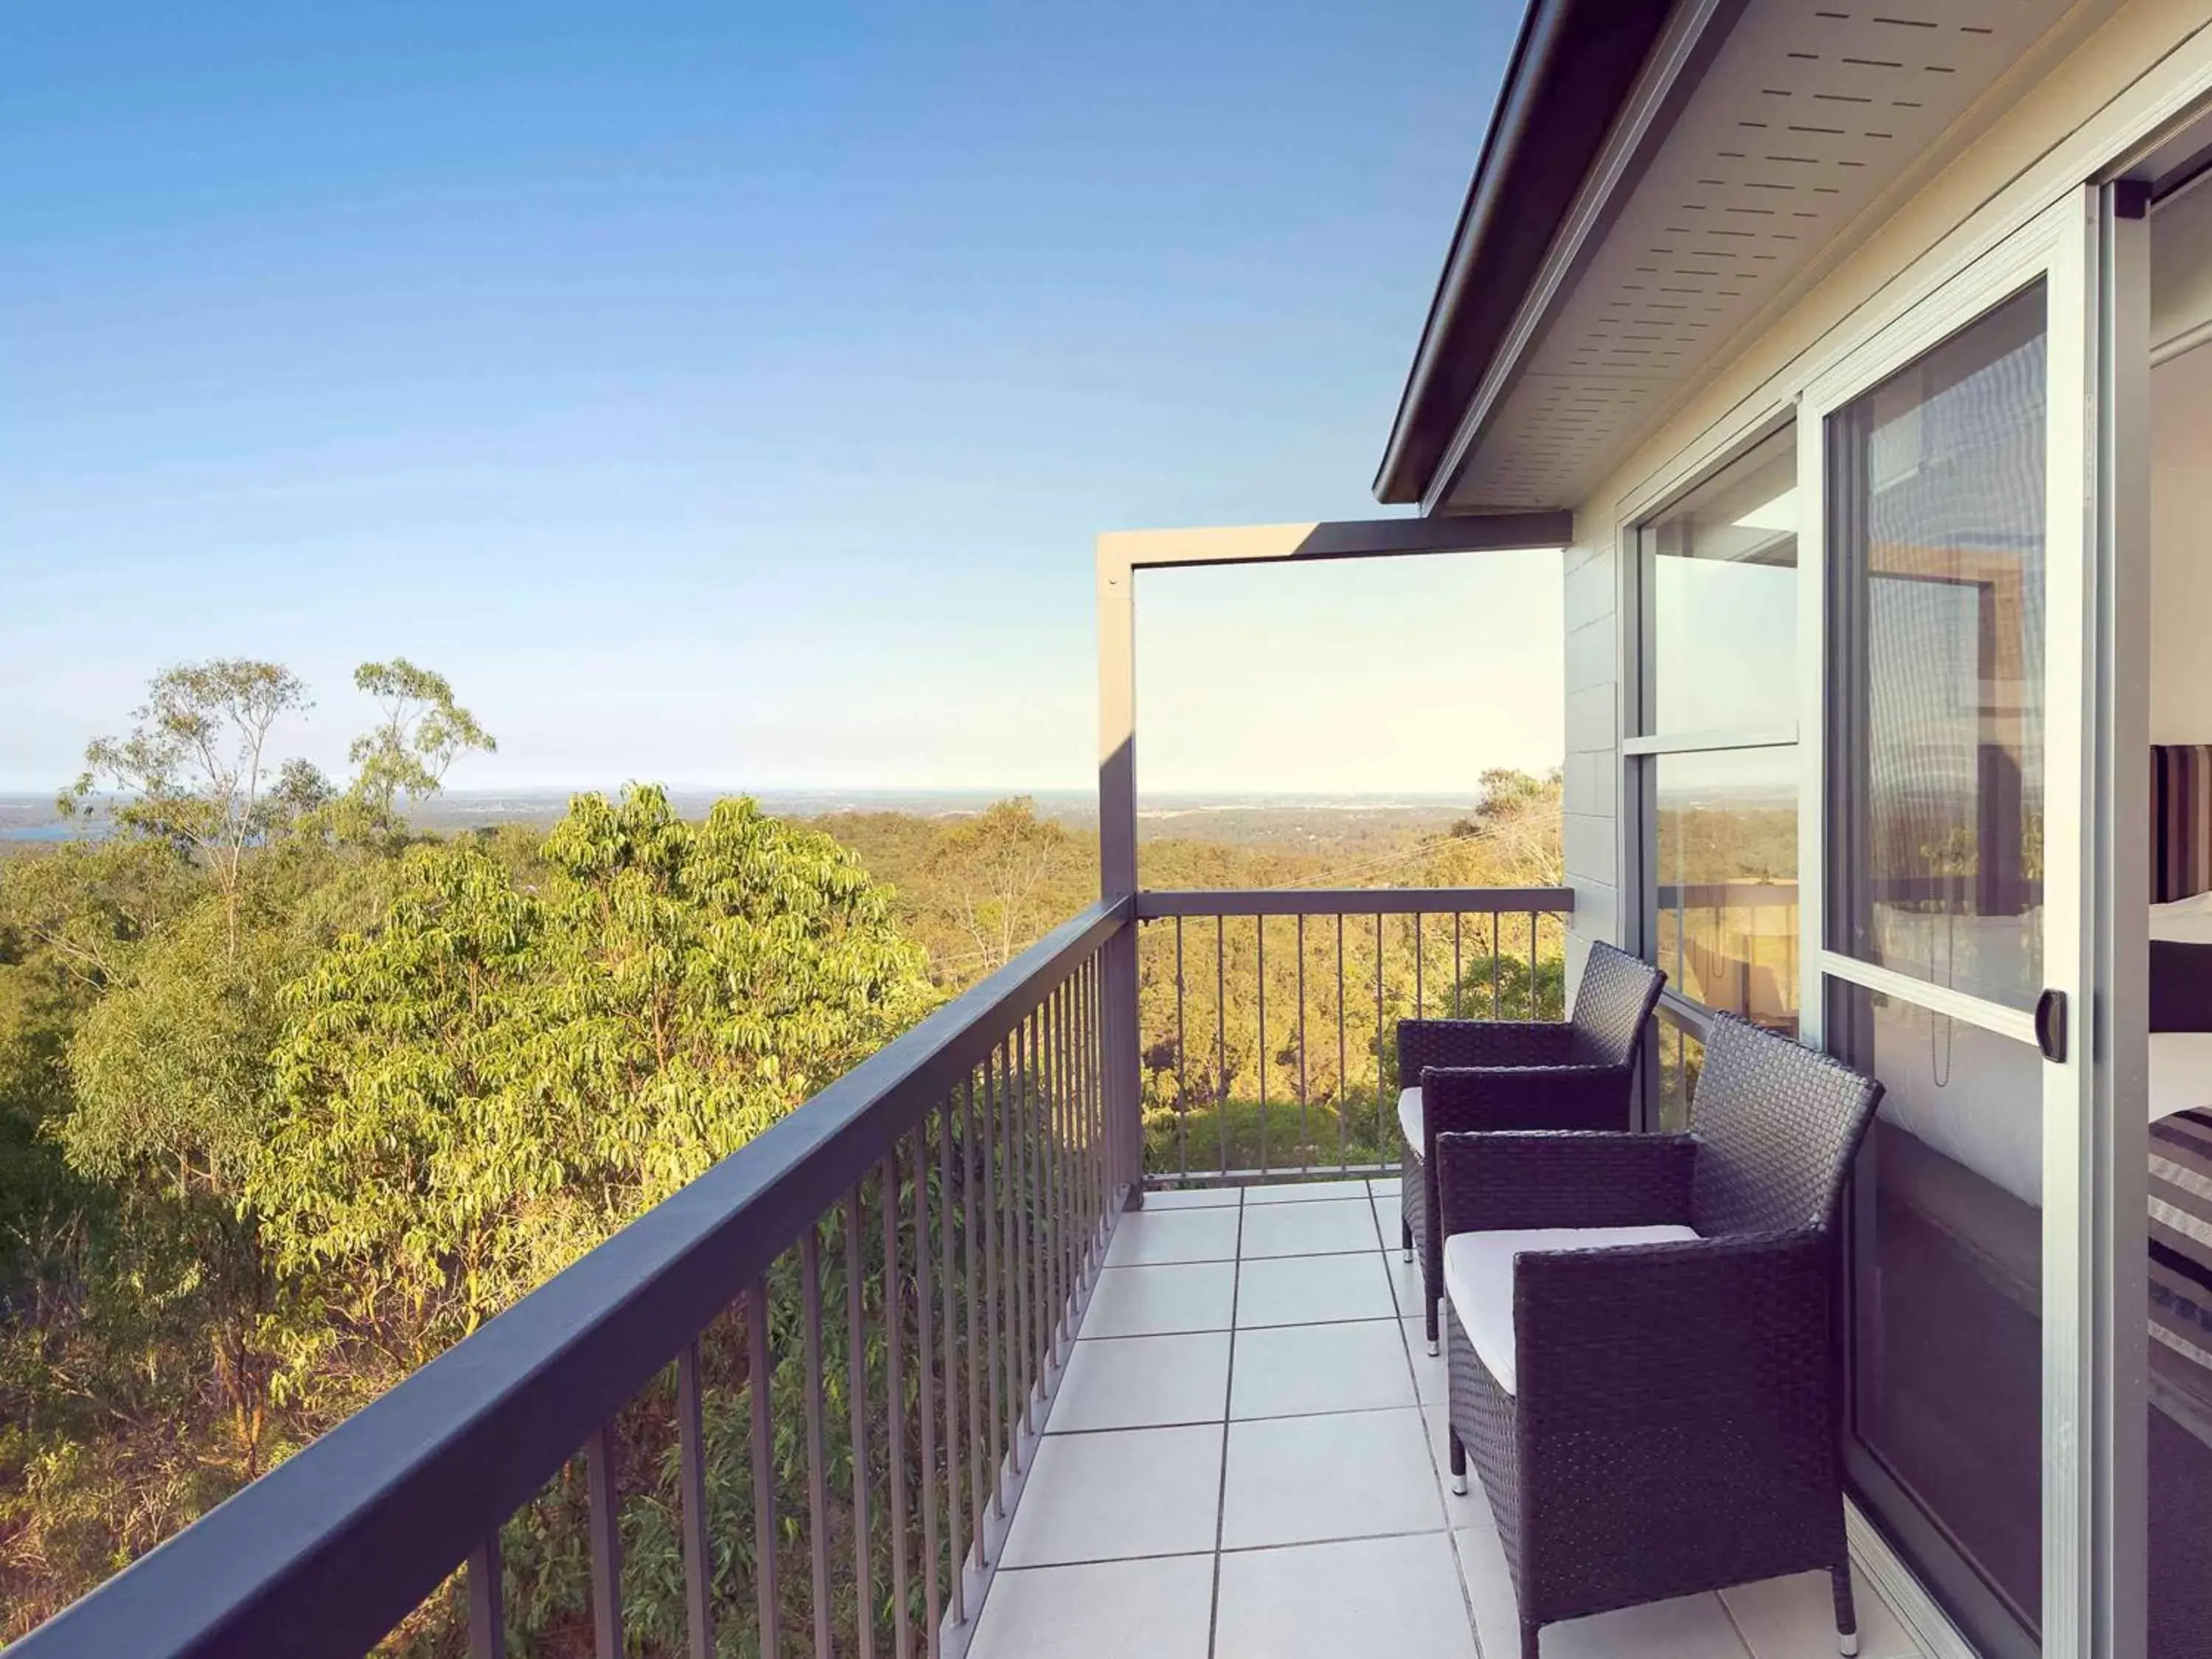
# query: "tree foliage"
[493,1079]
[293,1095]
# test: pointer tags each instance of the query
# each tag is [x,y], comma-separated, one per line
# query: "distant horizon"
[1163,800]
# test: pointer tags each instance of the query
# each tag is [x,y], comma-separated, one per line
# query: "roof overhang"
[1655,179]
[1574,66]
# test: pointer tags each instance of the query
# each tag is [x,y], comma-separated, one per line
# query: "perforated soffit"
[1807,113]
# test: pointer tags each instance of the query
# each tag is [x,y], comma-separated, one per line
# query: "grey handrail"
[326,1553]
[1353,901]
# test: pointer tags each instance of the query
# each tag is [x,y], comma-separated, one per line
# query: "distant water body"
[464,808]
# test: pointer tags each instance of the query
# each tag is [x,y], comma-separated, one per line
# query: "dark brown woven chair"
[1667,1421]
[1575,1073]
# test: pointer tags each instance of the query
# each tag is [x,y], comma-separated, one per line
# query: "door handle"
[2050,1026]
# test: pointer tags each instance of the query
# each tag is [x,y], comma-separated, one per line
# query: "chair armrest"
[1562,1179]
[1696,1328]
[1425,1042]
[1459,1099]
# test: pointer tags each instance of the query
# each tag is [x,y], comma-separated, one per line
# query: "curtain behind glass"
[1936,663]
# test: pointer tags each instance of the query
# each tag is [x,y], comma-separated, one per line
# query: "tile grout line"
[1264,1416]
[1443,1495]
[1241,1549]
[1228,1398]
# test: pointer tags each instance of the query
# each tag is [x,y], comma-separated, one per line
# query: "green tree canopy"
[493,1079]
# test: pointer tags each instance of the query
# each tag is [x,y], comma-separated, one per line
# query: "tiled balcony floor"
[1246,1459]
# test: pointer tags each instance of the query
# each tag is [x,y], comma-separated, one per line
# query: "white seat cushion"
[1409,1118]
[1478,1279]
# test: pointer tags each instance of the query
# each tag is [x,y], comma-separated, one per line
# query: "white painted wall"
[2181,471]
[2181,548]
[2055,124]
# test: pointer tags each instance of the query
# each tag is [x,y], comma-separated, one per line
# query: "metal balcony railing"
[953,1198]
[1266,1018]
[956,1192]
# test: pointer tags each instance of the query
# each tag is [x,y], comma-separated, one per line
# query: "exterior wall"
[2109,76]
[2180,562]
[1590,830]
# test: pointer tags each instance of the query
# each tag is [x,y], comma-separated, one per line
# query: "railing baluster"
[1259,1055]
[1420,937]
[894,1394]
[1093,1142]
[1056,1160]
[1458,970]
[1306,1118]
[767,1592]
[605,1529]
[993,1069]
[691,1466]
[817,1449]
[487,1601]
[1381,1111]
[973,1302]
[1024,1217]
[1094,1060]
[1182,1088]
[1047,1194]
[955,1513]
[1094,1104]
[1533,1014]
[1495,1012]
[1221,1032]
[856,1386]
[1343,1077]
[925,1370]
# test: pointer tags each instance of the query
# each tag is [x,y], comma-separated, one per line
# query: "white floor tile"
[1794,1618]
[1378,1596]
[1688,1627]
[1429,1379]
[1095,1497]
[1382,1187]
[1474,1509]
[1405,1280]
[1159,1607]
[1154,1301]
[1304,1191]
[1328,1227]
[1141,1382]
[1283,1370]
[1148,1238]
[1386,1221]
[1195,1198]
[1304,1290]
[1307,1479]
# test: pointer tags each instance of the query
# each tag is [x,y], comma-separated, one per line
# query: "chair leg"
[1530,1650]
[1433,1303]
[1405,1237]
[1847,1623]
[1458,1464]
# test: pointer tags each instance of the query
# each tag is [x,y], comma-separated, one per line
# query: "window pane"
[1936,663]
[1727,873]
[1946,1281]
[1681,1057]
[1720,584]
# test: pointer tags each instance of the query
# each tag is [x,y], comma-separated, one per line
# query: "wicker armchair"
[1464,1074]
[1654,1405]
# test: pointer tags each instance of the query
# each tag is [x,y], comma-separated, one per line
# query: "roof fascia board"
[1678,62]
[1553,112]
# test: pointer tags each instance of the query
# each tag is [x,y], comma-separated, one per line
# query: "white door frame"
[2082,1398]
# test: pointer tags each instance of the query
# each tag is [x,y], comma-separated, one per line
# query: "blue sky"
[724,394]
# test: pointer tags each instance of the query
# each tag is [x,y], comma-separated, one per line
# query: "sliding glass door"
[1945,627]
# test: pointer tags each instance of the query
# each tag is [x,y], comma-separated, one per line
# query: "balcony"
[1072,1321]
[1244,1458]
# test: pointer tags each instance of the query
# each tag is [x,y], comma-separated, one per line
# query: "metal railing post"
[1117,866]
